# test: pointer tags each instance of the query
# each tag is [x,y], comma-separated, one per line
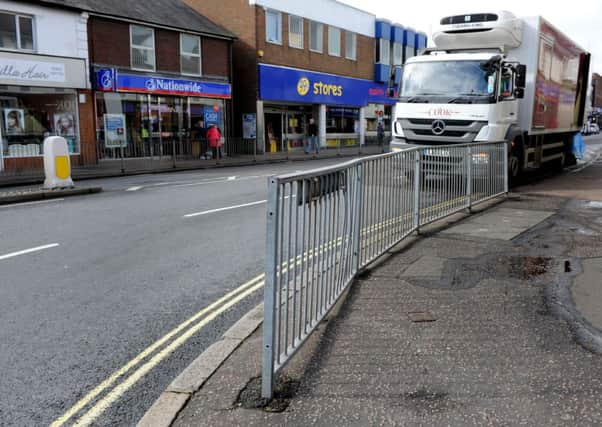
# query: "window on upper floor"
[295,31]
[316,36]
[383,52]
[16,31]
[142,47]
[350,45]
[397,54]
[334,41]
[190,54]
[273,26]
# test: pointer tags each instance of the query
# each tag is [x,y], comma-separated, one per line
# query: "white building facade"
[44,79]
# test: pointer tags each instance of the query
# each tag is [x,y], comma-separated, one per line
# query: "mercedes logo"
[438,127]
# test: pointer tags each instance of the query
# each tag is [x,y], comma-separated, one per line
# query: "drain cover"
[421,316]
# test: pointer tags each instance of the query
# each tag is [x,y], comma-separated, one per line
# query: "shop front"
[39,97]
[150,116]
[290,97]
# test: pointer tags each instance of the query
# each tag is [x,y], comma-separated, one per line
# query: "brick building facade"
[116,79]
[295,62]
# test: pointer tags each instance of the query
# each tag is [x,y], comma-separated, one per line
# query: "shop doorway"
[273,132]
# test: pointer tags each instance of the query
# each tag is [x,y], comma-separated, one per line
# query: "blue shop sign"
[105,80]
[295,85]
[108,79]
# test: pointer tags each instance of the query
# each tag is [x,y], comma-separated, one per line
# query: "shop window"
[273,27]
[16,32]
[334,41]
[295,31]
[350,45]
[342,120]
[155,126]
[383,52]
[397,54]
[316,36]
[27,118]
[142,43]
[190,54]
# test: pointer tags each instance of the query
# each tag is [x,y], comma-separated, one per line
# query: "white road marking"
[231,178]
[28,251]
[228,208]
[136,188]
[39,202]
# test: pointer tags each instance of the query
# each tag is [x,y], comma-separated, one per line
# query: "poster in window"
[249,126]
[115,134]
[64,125]
[14,121]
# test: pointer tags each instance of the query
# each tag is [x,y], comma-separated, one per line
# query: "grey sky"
[582,21]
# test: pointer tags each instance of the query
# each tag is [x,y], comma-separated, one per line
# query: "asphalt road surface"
[88,283]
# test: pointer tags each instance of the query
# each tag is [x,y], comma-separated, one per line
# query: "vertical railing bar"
[280,268]
[469,175]
[267,379]
[365,167]
[295,263]
[288,265]
[357,228]
[322,253]
[310,258]
[314,231]
[505,171]
[302,286]
[417,172]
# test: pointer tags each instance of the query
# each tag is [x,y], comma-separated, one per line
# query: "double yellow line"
[190,326]
[122,380]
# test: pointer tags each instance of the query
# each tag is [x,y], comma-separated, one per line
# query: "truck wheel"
[515,166]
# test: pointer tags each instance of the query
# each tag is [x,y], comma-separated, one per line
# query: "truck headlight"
[398,129]
[480,159]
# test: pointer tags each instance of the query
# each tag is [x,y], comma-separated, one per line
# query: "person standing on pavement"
[312,137]
[214,137]
[380,133]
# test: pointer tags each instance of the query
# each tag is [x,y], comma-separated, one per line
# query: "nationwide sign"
[109,80]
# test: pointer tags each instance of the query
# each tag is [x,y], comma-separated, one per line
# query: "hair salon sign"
[34,71]
[42,70]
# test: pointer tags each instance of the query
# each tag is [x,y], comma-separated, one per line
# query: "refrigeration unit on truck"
[494,77]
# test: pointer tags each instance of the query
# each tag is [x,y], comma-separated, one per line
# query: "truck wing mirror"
[520,79]
[519,93]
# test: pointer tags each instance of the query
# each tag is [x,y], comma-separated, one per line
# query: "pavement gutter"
[31,196]
[166,408]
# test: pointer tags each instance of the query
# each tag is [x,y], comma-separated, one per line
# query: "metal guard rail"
[325,225]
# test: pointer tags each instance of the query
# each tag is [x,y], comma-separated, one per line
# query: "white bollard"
[57,164]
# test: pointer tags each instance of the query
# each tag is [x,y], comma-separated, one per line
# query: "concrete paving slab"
[501,223]
[426,266]
[587,291]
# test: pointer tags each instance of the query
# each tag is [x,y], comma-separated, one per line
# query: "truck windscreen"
[448,81]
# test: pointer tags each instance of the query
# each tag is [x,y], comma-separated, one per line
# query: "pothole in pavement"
[466,273]
[284,390]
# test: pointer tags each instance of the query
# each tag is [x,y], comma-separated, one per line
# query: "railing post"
[505,171]
[357,226]
[469,178]
[417,189]
[269,295]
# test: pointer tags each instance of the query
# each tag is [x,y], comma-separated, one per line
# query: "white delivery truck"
[494,77]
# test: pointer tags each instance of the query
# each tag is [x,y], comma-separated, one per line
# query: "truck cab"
[449,98]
